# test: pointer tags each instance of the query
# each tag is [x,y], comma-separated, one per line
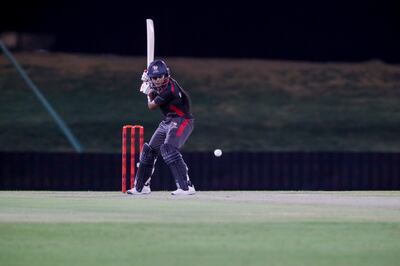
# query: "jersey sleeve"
[164,97]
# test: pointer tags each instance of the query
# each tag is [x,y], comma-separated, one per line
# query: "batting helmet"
[158,68]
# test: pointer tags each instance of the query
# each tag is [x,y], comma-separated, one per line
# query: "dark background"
[303,30]
[310,31]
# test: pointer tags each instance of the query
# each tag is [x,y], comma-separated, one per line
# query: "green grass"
[252,105]
[210,228]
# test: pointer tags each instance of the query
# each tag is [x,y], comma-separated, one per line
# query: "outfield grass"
[247,105]
[210,228]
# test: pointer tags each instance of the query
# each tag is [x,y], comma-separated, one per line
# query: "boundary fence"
[231,171]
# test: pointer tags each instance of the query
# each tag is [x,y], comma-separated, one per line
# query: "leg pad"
[176,164]
[146,167]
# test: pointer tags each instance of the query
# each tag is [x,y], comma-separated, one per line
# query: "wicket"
[129,129]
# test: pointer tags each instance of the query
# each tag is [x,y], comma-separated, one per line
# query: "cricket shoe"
[145,190]
[179,191]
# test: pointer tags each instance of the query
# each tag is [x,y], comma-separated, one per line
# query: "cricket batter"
[165,93]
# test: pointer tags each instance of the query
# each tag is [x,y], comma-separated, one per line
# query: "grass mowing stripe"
[294,243]
[211,228]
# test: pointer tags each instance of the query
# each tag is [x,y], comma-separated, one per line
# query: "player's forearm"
[151,104]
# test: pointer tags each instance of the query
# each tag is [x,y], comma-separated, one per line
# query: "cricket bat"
[145,88]
[150,41]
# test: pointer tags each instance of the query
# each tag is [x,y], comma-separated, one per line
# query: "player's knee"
[170,153]
[148,155]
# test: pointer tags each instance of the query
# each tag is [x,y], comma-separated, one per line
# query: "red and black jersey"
[174,101]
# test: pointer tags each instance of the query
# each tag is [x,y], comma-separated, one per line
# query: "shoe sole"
[130,193]
[183,194]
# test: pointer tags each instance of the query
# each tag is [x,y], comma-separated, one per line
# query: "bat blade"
[150,41]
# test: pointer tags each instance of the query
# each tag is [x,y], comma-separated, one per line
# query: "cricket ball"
[217,152]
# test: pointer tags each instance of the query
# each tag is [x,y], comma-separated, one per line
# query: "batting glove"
[145,88]
[145,77]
